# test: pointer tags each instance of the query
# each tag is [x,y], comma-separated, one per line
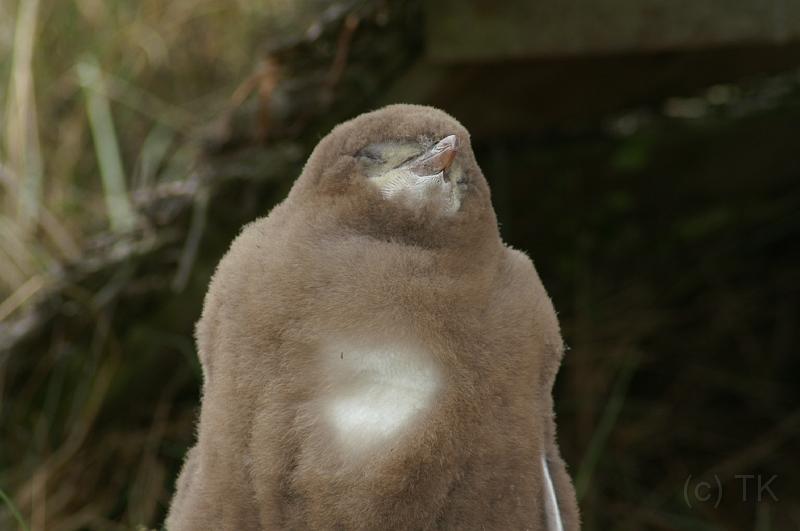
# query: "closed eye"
[370,156]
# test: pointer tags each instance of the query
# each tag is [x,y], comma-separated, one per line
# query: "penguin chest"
[375,391]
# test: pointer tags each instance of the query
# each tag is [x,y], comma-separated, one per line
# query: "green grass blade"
[21,131]
[605,426]
[120,212]
[13,510]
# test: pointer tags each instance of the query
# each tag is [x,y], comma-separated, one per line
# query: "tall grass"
[97,100]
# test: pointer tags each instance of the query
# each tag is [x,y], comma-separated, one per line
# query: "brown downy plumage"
[374,357]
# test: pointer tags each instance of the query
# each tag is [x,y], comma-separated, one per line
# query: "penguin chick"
[373,355]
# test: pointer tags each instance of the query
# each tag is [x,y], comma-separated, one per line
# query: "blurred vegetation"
[102,99]
[669,246]
[666,235]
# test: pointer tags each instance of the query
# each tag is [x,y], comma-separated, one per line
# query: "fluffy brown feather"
[336,264]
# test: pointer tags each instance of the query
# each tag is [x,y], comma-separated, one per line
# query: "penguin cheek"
[339,178]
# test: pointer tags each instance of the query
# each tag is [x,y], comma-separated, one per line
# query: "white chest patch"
[374,392]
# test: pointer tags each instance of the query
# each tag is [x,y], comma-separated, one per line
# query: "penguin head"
[401,172]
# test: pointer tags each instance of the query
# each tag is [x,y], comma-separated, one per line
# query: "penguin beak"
[437,159]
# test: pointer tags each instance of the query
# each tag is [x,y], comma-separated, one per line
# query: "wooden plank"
[485,30]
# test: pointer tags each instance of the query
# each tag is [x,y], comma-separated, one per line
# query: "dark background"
[647,158]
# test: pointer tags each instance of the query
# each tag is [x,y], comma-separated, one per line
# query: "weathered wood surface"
[481,30]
